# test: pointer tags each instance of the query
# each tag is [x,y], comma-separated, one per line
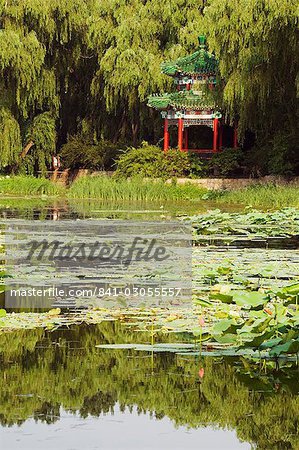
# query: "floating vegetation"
[265,322]
[245,296]
[251,224]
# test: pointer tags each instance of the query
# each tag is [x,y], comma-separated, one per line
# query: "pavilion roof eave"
[200,63]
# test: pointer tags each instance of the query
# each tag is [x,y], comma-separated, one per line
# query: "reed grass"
[270,196]
[138,190]
[109,188]
[28,185]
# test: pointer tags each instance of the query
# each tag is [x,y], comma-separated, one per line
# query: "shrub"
[150,162]
[176,163]
[227,163]
[83,153]
[199,167]
[283,155]
[146,161]
[279,157]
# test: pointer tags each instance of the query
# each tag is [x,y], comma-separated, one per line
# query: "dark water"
[59,391]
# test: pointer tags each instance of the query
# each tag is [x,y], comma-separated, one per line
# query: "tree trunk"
[26,149]
[135,134]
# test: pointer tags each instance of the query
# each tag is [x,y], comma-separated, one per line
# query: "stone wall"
[238,183]
[66,177]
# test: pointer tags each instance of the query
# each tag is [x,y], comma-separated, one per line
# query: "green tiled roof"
[199,63]
[182,100]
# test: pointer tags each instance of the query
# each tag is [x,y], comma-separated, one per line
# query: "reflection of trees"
[41,372]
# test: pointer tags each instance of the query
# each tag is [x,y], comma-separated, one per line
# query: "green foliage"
[27,185]
[198,166]
[42,133]
[278,156]
[282,222]
[134,189]
[81,152]
[283,155]
[262,196]
[233,394]
[149,161]
[227,163]
[10,139]
[257,45]
[176,164]
[98,61]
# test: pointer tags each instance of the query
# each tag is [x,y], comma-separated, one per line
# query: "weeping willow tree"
[40,48]
[131,40]
[68,62]
[257,44]
[10,139]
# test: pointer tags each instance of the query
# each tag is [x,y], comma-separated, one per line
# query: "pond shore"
[265,193]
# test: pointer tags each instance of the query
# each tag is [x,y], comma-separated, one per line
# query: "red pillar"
[166,135]
[215,136]
[220,136]
[180,134]
[236,135]
[186,139]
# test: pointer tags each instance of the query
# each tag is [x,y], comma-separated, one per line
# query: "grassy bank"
[261,196]
[137,190]
[107,188]
[27,185]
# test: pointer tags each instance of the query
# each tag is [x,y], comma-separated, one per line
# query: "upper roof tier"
[199,63]
[183,100]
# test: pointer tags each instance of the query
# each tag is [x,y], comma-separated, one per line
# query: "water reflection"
[49,209]
[61,378]
[135,431]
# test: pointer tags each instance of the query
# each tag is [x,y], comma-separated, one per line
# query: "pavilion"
[194,103]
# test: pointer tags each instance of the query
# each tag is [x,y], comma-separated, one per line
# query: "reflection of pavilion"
[194,102]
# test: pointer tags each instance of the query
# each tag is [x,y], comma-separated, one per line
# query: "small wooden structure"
[194,103]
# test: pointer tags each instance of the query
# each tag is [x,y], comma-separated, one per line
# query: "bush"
[146,161]
[199,167]
[176,163]
[83,153]
[279,157]
[149,161]
[283,155]
[227,163]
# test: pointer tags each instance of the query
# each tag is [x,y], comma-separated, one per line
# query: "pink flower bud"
[201,321]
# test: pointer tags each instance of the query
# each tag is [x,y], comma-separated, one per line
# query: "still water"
[58,391]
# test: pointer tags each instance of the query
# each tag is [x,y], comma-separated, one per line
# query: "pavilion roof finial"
[202,42]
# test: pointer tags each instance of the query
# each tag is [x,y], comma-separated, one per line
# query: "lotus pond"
[220,374]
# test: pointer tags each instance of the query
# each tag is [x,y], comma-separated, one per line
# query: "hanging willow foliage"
[257,44]
[42,135]
[97,61]
[40,46]
[10,139]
